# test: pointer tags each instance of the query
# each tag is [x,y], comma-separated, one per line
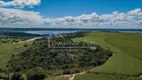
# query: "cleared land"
[6,51]
[127,58]
[103,77]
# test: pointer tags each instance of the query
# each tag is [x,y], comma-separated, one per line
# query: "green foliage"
[36,74]
[57,78]
[17,76]
[40,55]
[3,76]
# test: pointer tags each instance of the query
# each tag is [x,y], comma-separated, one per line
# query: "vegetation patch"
[54,61]
[125,60]
[91,76]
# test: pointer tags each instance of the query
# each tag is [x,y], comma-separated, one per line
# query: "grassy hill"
[91,76]
[6,50]
[39,60]
[127,52]
[125,64]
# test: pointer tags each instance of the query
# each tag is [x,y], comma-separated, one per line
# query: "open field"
[90,76]
[129,43]
[6,51]
[126,48]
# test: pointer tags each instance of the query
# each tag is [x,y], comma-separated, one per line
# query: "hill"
[127,52]
[39,60]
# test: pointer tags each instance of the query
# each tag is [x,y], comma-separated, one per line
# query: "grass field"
[126,48]
[6,51]
[129,43]
[103,77]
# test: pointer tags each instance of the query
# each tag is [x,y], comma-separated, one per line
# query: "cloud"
[21,18]
[13,17]
[20,3]
[130,19]
[135,12]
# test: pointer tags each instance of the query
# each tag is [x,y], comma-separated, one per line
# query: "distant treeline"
[12,33]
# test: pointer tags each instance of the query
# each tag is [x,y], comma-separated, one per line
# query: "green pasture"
[127,49]
[6,51]
[89,76]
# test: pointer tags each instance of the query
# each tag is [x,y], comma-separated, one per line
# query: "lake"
[49,32]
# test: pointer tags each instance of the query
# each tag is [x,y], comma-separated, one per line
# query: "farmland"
[126,48]
[91,76]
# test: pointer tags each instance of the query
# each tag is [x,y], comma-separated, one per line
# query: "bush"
[67,72]
[25,45]
[36,74]
[16,76]
[3,76]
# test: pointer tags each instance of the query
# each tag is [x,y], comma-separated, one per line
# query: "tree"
[16,76]
[36,74]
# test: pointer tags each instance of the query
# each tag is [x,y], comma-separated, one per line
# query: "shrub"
[25,45]
[16,76]
[36,74]
[67,72]
[3,76]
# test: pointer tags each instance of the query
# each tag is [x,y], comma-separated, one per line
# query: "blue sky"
[71,13]
[61,8]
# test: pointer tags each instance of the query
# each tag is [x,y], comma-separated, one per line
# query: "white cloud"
[20,18]
[135,12]
[129,19]
[20,3]
[13,17]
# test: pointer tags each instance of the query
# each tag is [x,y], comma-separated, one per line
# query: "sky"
[71,13]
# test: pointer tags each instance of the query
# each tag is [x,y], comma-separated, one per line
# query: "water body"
[45,31]
[49,32]
[72,31]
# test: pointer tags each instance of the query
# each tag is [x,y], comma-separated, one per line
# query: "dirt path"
[140,76]
[72,77]
[29,40]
